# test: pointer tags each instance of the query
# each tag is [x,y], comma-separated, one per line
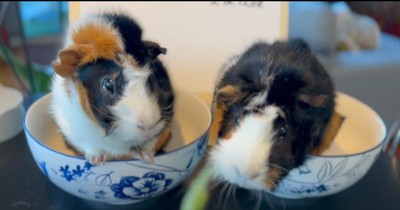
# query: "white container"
[11,112]
[120,182]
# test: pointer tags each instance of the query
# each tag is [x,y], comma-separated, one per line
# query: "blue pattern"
[201,147]
[77,173]
[43,167]
[100,194]
[132,187]
[314,189]
[83,191]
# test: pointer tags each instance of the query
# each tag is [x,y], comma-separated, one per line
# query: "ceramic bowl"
[355,148]
[120,182]
[11,112]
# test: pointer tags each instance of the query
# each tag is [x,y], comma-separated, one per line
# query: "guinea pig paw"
[97,160]
[144,155]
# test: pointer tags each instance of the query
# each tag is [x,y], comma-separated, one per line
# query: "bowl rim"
[41,144]
[379,120]
[15,104]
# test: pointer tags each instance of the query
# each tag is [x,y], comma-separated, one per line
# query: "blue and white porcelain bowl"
[120,182]
[354,150]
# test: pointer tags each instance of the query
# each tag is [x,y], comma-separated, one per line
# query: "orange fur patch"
[91,40]
[97,40]
[330,133]
[84,100]
[216,123]
[273,175]
[227,94]
[163,139]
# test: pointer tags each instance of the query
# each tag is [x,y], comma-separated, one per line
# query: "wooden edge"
[74,11]
[284,20]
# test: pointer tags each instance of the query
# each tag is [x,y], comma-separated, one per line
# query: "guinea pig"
[112,97]
[271,106]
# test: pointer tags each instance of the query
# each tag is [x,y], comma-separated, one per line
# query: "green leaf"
[196,197]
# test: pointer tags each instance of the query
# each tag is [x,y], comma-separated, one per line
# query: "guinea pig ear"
[154,49]
[313,100]
[229,94]
[69,58]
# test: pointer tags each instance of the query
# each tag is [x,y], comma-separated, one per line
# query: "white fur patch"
[259,99]
[136,108]
[243,158]
[87,136]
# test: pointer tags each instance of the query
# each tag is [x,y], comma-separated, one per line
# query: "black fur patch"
[92,77]
[131,32]
[159,84]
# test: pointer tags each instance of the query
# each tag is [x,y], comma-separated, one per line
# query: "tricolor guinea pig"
[271,106]
[111,96]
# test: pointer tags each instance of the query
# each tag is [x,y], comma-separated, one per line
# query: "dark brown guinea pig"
[271,107]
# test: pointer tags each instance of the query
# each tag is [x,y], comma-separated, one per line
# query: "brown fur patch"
[216,122]
[84,100]
[229,94]
[330,133]
[228,135]
[163,139]
[273,176]
[316,101]
[69,59]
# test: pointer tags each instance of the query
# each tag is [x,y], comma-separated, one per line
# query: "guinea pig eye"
[282,131]
[108,85]
[237,120]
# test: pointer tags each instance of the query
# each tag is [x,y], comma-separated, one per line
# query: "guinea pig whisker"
[167,113]
[170,105]
[269,201]
[103,112]
[228,193]
[217,182]
[251,96]
[269,66]
[166,119]
[234,194]
[277,166]
[283,204]
[222,193]
[259,199]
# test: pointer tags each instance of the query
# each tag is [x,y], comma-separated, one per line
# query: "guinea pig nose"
[146,124]
[142,128]
[143,125]
[253,174]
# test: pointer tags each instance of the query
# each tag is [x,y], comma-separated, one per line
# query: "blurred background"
[31,34]
[358,42]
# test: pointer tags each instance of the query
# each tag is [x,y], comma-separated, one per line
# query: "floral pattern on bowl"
[321,176]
